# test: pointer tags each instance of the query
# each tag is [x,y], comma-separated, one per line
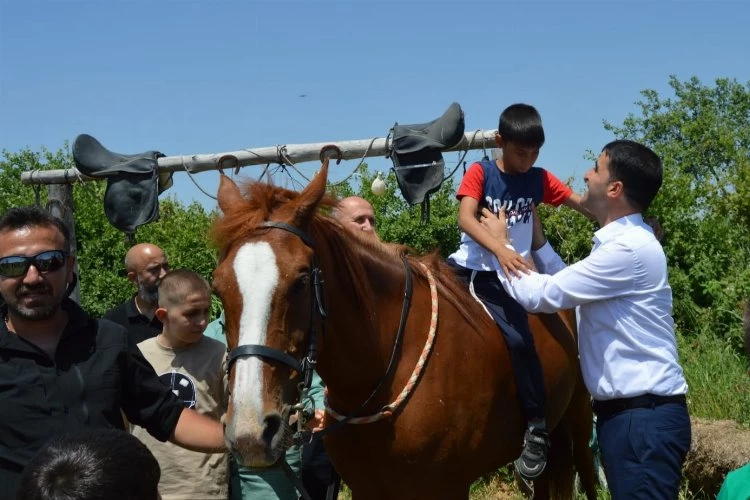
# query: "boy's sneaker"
[533,459]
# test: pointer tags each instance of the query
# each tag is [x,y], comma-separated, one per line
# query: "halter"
[310,360]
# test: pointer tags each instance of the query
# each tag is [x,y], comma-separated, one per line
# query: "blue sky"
[186,77]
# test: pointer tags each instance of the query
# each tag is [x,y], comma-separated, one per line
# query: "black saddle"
[417,155]
[133,182]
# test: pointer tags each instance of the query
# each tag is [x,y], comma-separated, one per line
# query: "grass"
[718,378]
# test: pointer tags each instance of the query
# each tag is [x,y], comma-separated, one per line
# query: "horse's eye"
[301,283]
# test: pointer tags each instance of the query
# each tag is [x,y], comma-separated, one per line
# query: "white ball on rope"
[378,185]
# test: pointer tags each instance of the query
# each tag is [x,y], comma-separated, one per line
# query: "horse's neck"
[360,327]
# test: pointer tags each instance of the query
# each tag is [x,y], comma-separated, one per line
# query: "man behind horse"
[145,264]
[356,214]
[627,344]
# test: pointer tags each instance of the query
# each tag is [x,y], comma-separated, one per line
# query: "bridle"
[308,363]
[318,312]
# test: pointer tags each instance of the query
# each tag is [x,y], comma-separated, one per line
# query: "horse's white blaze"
[257,277]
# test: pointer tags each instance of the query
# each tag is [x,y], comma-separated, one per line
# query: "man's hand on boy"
[510,261]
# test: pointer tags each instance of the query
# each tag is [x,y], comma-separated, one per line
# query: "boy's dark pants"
[513,321]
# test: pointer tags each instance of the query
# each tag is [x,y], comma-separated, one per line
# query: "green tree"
[702,134]
[181,231]
[399,222]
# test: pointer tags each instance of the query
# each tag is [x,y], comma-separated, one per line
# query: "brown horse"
[460,420]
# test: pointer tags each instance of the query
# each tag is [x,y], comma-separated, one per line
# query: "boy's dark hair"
[176,285]
[20,217]
[101,464]
[638,168]
[521,124]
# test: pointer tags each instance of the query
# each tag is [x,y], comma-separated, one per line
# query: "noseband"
[317,309]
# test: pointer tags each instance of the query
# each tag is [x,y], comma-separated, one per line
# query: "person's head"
[356,214]
[626,173]
[184,307]
[146,264]
[520,135]
[98,464]
[35,262]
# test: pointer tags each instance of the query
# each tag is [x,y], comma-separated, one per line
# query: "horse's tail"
[560,469]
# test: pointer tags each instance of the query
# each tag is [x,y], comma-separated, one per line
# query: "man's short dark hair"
[97,464]
[21,217]
[521,124]
[638,168]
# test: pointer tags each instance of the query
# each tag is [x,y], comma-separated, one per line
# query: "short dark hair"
[521,124]
[92,465]
[638,168]
[31,216]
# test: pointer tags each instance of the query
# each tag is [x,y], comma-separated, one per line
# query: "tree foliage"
[399,222]
[702,134]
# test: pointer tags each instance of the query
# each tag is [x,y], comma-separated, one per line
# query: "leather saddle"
[417,155]
[133,182]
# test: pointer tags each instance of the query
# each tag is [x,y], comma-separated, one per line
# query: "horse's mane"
[260,200]
[354,249]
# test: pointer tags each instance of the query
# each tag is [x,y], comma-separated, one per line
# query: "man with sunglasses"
[146,264]
[62,371]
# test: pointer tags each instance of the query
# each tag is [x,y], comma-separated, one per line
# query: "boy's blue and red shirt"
[516,193]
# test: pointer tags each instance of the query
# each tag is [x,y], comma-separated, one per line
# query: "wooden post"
[60,204]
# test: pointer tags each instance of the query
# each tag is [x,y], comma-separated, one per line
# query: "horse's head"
[265,279]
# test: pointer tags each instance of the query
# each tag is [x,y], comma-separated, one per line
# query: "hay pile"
[718,447]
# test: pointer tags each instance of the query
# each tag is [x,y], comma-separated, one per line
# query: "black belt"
[613,406]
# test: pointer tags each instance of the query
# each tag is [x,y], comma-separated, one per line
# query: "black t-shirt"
[97,370]
[139,327]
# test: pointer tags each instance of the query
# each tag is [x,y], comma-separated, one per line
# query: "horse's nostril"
[272,424]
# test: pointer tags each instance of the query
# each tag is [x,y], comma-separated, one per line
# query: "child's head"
[184,307]
[96,464]
[520,135]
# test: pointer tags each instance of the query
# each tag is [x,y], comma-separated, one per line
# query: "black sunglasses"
[46,262]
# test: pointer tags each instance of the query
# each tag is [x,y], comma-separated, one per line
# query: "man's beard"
[148,293]
[38,312]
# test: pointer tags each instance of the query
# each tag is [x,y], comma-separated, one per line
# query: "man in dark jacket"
[145,264]
[61,370]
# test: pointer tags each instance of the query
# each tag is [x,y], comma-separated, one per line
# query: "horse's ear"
[304,206]
[229,194]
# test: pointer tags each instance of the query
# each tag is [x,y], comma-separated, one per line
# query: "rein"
[389,409]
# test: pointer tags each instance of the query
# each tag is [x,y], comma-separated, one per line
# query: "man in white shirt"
[626,335]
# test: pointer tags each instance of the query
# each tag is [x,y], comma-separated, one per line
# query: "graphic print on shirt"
[182,386]
[518,211]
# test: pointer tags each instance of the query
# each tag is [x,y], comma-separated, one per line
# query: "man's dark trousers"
[643,450]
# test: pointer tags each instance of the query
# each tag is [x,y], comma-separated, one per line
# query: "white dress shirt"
[626,335]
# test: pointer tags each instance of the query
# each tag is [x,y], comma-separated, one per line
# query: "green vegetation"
[703,135]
